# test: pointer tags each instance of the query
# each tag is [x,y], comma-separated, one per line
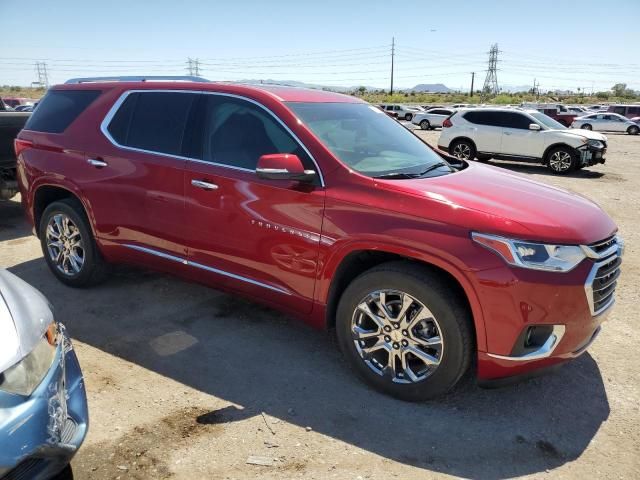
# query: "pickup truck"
[10,124]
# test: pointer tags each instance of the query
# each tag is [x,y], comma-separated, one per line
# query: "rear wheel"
[561,160]
[586,126]
[408,117]
[463,149]
[633,130]
[403,331]
[425,125]
[68,245]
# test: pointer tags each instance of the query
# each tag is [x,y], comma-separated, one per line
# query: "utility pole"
[393,53]
[43,76]
[473,76]
[490,87]
[190,66]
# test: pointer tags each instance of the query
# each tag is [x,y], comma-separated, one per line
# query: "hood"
[24,317]
[494,200]
[589,134]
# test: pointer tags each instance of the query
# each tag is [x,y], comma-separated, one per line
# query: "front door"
[249,234]
[517,139]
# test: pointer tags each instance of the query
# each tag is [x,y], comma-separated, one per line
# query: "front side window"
[152,121]
[515,120]
[366,140]
[547,121]
[237,133]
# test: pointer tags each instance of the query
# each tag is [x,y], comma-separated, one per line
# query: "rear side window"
[152,121]
[59,108]
[620,110]
[491,119]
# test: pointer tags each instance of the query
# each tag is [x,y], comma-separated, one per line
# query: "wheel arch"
[359,260]
[462,137]
[545,155]
[47,193]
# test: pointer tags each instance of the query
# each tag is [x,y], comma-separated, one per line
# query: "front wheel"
[403,331]
[586,126]
[408,117]
[463,149]
[425,125]
[561,160]
[633,130]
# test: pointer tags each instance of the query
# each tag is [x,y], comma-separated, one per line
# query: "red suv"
[321,205]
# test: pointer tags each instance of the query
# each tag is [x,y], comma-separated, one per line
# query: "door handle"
[96,163]
[204,185]
[507,133]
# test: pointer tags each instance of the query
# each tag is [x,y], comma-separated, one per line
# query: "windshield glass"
[547,121]
[366,139]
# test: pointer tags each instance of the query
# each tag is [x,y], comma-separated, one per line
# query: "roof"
[278,92]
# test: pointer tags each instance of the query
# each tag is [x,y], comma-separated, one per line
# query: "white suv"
[400,111]
[525,135]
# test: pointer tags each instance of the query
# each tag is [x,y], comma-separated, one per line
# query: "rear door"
[517,139]
[135,187]
[437,116]
[257,236]
[485,130]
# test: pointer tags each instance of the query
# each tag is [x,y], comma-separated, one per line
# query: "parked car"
[391,113]
[14,102]
[432,118]
[557,111]
[579,111]
[525,135]
[10,124]
[628,111]
[319,205]
[636,120]
[402,112]
[606,122]
[24,108]
[43,404]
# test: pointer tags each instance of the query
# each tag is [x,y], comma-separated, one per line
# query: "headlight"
[23,377]
[596,143]
[536,256]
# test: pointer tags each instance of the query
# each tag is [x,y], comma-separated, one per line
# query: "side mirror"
[534,126]
[283,166]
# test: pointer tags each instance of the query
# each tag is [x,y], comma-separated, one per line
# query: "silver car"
[432,118]
[606,122]
[43,403]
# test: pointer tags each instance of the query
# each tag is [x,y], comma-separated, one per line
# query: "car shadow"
[12,220]
[255,357]
[539,169]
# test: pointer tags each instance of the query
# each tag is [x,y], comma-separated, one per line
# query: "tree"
[619,89]
[362,90]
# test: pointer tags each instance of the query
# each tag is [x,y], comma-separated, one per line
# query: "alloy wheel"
[462,150]
[64,244]
[397,336]
[560,161]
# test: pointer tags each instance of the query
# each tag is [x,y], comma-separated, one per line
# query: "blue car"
[43,403]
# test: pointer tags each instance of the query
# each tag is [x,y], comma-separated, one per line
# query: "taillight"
[447,123]
[21,145]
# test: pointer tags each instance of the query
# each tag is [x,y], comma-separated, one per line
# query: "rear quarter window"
[59,108]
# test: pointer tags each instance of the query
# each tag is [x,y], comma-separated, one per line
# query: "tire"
[448,321]
[633,130]
[463,149]
[561,160]
[425,125]
[408,117]
[586,126]
[83,265]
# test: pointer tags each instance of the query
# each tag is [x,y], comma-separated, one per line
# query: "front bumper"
[592,155]
[40,434]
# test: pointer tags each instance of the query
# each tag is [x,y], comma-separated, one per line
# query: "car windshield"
[547,121]
[367,140]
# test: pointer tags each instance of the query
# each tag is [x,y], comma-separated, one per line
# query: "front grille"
[603,279]
[26,470]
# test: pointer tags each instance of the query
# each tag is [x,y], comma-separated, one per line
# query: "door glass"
[237,133]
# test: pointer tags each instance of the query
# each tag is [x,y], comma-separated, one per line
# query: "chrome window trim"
[224,273]
[118,103]
[544,351]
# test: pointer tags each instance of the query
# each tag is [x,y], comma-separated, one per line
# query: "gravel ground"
[186,382]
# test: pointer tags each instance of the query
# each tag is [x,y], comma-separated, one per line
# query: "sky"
[564,44]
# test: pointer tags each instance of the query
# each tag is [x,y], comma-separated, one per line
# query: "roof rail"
[153,78]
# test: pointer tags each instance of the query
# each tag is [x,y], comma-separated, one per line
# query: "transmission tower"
[43,76]
[193,66]
[490,87]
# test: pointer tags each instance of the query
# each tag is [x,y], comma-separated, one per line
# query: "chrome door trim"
[184,261]
[118,103]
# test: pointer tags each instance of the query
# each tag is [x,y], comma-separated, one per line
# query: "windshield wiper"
[393,175]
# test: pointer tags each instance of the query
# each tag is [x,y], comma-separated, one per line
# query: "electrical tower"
[490,87]
[193,66]
[393,54]
[43,76]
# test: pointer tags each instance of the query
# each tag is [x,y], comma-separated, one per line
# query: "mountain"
[431,88]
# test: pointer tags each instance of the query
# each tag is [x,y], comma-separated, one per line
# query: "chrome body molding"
[118,103]
[544,351]
[184,261]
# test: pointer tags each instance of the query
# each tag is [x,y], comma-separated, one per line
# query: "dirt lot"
[186,382]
